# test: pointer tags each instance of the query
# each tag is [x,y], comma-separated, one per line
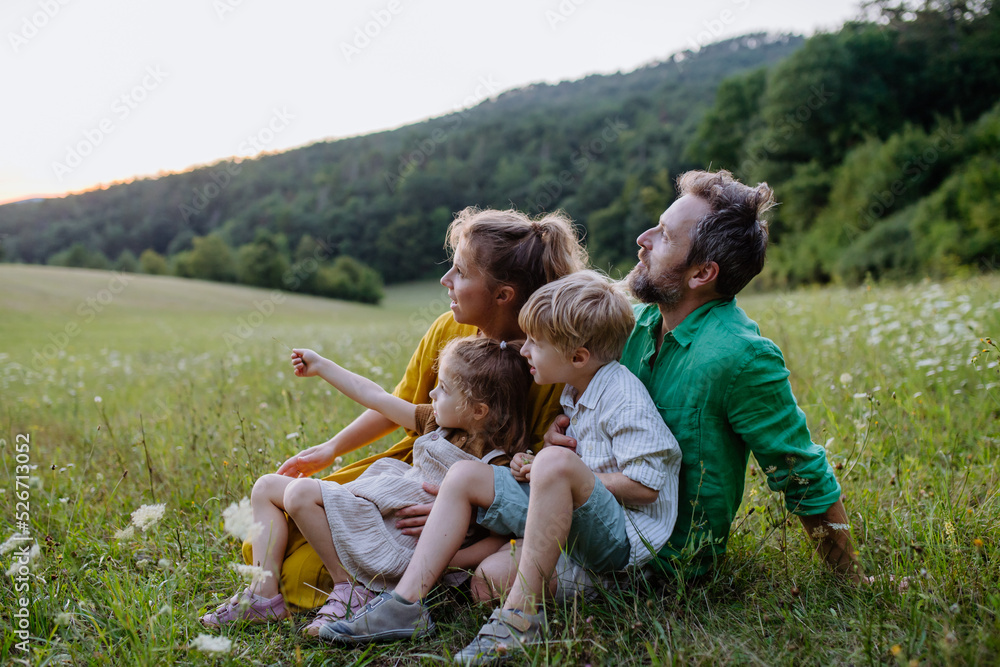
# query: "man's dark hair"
[734,234]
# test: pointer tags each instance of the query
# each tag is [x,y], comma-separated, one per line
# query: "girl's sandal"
[345,598]
[246,607]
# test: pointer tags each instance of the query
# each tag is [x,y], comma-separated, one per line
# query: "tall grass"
[150,402]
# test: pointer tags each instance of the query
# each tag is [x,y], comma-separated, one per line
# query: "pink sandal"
[344,600]
[244,606]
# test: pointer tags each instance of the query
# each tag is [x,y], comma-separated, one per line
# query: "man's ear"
[505,295]
[705,274]
[479,411]
[580,357]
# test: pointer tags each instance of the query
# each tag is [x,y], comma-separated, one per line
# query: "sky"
[108,90]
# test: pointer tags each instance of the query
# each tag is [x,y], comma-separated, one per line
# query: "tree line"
[382,202]
[881,140]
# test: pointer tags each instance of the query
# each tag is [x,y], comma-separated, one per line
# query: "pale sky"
[107,90]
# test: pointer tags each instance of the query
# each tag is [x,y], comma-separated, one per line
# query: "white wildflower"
[163,564]
[292,436]
[770,469]
[257,575]
[64,618]
[23,560]
[860,394]
[64,500]
[839,526]
[846,378]
[210,644]
[239,521]
[146,516]
[126,533]
[12,542]
[97,399]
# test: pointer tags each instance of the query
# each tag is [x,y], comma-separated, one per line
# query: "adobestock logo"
[363,35]
[32,25]
[121,108]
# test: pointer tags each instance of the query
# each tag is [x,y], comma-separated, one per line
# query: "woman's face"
[472,302]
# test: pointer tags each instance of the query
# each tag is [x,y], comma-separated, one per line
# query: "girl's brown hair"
[512,249]
[495,374]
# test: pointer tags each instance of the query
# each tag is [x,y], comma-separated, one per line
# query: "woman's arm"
[359,389]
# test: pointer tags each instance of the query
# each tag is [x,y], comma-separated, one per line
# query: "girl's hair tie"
[503,345]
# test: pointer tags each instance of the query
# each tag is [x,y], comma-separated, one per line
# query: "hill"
[385,199]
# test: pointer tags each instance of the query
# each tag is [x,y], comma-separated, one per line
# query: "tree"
[264,262]
[78,255]
[351,280]
[153,263]
[126,262]
[212,259]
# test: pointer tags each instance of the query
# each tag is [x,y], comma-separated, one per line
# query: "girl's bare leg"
[267,500]
[304,503]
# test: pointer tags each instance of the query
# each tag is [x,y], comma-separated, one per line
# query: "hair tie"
[503,345]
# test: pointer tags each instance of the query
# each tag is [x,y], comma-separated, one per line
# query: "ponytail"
[510,248]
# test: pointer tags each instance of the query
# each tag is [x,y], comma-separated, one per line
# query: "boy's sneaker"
[385,618]
[507,631]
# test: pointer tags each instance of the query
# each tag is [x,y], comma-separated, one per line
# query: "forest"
[881,141]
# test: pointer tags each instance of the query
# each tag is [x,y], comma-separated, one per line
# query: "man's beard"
[666,290]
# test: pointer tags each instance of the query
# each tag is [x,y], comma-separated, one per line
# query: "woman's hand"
[305,363]
[556,435]
[308,461]
[520,465]
[414,517]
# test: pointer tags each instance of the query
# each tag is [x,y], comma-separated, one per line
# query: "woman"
[499,259]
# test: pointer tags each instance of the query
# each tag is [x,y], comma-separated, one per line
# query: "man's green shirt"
[723,390]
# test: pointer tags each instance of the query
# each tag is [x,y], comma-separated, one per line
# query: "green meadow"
[122,391]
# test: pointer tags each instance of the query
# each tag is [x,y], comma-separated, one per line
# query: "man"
[721,387]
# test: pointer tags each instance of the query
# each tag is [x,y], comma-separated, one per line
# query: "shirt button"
[434,436]
[573,421]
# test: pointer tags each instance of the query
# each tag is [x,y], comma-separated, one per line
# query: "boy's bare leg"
[560,482]
[267,502]
[468,484]
[304,503]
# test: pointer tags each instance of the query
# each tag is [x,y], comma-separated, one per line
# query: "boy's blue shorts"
[597,538]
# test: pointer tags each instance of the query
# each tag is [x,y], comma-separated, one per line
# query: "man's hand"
[520,466]
[832,535]
[308,461]
[556,435]
[415,516]
[305,363]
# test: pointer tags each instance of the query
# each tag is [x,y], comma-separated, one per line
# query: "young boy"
[610,504]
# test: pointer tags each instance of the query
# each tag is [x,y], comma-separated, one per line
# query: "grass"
[196,400]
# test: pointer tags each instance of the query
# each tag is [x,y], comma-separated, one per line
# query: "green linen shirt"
[723,390]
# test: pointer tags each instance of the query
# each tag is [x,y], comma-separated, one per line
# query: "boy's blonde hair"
[584,309]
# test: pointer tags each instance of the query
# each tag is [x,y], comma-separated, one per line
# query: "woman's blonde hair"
[510,248]
[495,374]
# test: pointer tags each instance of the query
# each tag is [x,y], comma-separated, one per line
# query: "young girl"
[478,411]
